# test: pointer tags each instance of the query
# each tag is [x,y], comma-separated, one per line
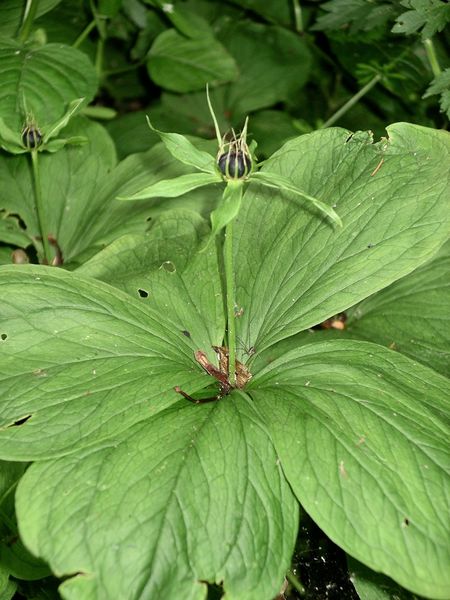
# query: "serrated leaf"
[66,74]
[362,434]
[82,361]
[431,15]
[172,188]
[228,207]
[154,503]
[354,15]
[391,198]
[182,65]
[441,85]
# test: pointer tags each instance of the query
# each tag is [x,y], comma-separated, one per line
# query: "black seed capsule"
[234,164]
[31,137]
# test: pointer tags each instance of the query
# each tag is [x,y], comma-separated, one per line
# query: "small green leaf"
[171,188]
[183,150]
[274,180]
[182,65]
[228,207]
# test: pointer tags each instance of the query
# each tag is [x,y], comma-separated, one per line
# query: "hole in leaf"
[168,266]
[20,421]
[215,592]
[3,337]
[142,293]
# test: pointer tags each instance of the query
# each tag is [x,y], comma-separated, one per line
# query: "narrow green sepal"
[55,145]
[184,151]
[55,128]
[228,207]
[10,140]
[171,188]
[273,180]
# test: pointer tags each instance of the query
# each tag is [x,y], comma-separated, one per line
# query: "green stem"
[353,100]
[432,58]
[295,582]
[29,15]
[298,17]
[39,207]
[99,57]
[83,35]
[229,279]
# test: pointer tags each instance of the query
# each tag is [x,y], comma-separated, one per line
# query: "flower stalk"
[39,206]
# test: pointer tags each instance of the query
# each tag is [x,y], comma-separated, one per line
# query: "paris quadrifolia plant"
[32,139]
[234,164]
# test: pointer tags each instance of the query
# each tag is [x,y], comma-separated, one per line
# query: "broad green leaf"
[180,64]
[164,268]
[276,181]
[374,586]
[412,315]
[228,207]
[141,517]
[187,21]
[274,64]
[7,586]
[298,271]
[62,71]
[362,435]
[278,11]
[82,361]
[183,150]
[14,557]
[172,188]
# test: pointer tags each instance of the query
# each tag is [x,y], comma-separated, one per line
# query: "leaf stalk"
[350,103]
[432,57]
[296,583]
[229,282]
[29,15]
